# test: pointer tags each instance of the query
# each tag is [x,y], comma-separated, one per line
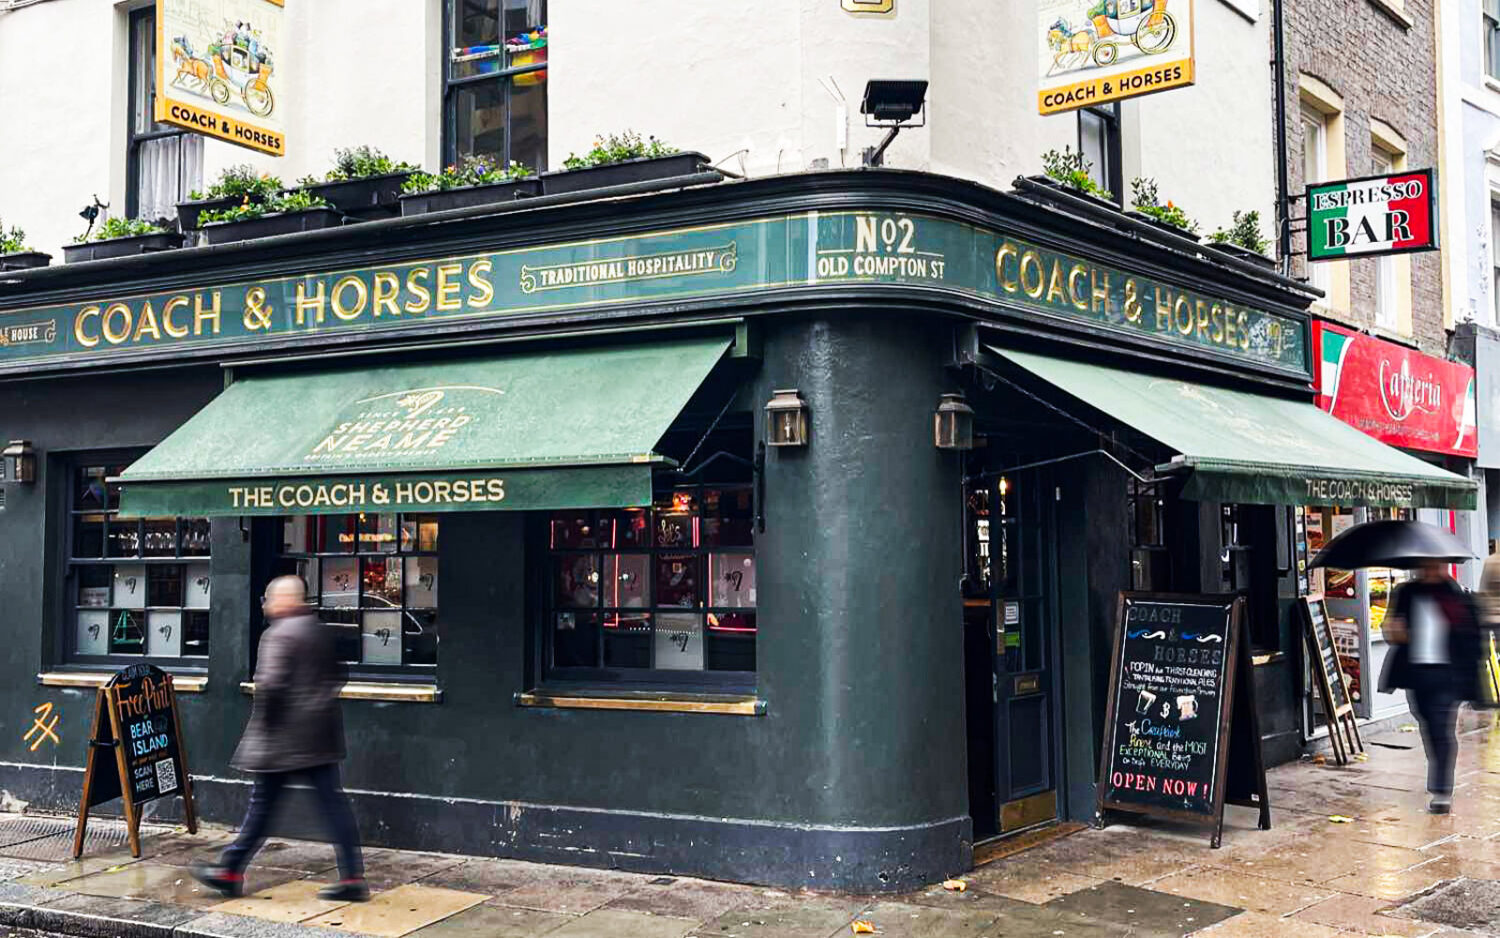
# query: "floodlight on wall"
[892,103]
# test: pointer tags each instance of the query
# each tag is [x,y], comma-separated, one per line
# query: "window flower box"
[274,223]
[1164,226]
[640,169]
[495,193]
[365,197]
[188,212]
[122,247]
[1048,186]
[1245,254]
[24,260]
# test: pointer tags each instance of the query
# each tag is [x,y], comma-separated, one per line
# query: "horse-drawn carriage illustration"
[237,62]
[1144,23]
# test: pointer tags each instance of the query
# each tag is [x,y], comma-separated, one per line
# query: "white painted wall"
[748,84]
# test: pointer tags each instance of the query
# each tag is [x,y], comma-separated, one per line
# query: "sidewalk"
[1352,851]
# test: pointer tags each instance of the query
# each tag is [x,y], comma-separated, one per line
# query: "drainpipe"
[1283,196]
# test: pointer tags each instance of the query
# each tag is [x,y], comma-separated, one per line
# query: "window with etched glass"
[374,577]
[666,593]
[495,81]
[139,587]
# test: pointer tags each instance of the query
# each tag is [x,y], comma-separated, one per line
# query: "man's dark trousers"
[331,799]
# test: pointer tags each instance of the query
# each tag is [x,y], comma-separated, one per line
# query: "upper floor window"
[1492,38]
[163,164]
[1314,169]
[138,587]
[1099,142]
[495,81]
[374,577]
[1383,164]
[1495,257]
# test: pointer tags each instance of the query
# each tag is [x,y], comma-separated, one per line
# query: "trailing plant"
[294,201]
[1144,198]
[1072,170]
[617,148]
[469,171]
[240,182]
[1243,231]
[13,241]
[121,228]
[360,162]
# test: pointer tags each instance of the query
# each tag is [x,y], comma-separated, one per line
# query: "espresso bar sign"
[1372,215]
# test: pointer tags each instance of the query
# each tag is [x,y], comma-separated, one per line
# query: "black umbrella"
[1391,544]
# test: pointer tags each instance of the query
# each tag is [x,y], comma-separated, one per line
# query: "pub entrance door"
[1009,642]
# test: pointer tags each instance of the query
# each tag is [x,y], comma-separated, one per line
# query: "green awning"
[1248,448]
[542,430]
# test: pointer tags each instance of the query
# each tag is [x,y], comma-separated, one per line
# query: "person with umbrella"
[1434,628]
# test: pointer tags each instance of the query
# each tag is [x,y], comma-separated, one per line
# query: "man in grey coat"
[295,729]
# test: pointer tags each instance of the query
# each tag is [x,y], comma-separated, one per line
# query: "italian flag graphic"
[1335,346]
[1391,213]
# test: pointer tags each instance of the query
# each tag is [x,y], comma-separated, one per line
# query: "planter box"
[188,212]
[641,169]
[421,203]
[370,197]
[24,260]
[1052,185]
[122,247]
[1158,223]
[1245,254]
[279,223]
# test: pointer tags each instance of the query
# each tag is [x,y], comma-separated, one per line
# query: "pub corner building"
[765,530]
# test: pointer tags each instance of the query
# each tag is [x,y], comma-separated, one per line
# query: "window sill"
[1393,9]
[376,690]
[646,700]
[182,683]
[1492,83]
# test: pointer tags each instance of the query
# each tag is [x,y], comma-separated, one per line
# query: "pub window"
[1491,35]
[1099,142]
[163,164]
[138,587]
[662,594]
[495,81]
[374,577]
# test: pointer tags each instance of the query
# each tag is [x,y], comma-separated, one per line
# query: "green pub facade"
[639,519]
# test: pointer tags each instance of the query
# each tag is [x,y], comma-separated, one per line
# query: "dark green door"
[1025,750]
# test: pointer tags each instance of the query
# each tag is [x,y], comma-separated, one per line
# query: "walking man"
[1434,629]
[295,729]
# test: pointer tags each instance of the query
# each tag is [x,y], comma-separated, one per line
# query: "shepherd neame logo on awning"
[1375,215]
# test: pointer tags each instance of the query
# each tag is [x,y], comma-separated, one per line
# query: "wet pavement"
[1352,851]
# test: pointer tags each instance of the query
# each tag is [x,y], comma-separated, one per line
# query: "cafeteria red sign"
[1396,394]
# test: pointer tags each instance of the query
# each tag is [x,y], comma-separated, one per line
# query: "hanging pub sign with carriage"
[1097,51]
[216,70]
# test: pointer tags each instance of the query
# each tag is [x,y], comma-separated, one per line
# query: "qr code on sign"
[166,776]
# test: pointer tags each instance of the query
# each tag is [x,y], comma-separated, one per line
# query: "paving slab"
[1392,885]
[387,868]
[1029,882]
[398,911]
[483,875]
[1147,911]
[1241,890]
[72,869]
[1362,914]
[901,920]
[495,922]
[692,899]
[17,869]
[1260,925]
[295,901]
[570,891]
[1472,904]
[101,917]
[787,917]
[173,884]
[222,925]
[303,857]
[617,923]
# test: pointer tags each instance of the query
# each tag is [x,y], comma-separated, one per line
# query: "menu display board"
[1173,695]
[1322,653]
[135,716]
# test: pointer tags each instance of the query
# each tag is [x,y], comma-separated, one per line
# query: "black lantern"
[953,423]
[786,419]
[20,461]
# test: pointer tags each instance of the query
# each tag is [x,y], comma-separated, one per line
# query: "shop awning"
[1248,448]
[540,430]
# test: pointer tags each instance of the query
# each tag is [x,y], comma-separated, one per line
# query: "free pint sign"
[1371,216]
[1396,394]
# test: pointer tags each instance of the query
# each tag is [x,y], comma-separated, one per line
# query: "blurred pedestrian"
[1433,627]
[295,729]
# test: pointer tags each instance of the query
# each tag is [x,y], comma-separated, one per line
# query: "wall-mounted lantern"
[20,461]
[786,419]
[953,423]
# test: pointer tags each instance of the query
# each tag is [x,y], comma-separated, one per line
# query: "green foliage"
[617,148]
[1072,170]
[121,228]
[294,201]
[469,171]
[1144,199]
[360,162]
[13,241]
[1243,231]
[241,182]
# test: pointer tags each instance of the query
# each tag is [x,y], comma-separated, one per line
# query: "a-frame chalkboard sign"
[1323,657]
[135,752]
[1181,734]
